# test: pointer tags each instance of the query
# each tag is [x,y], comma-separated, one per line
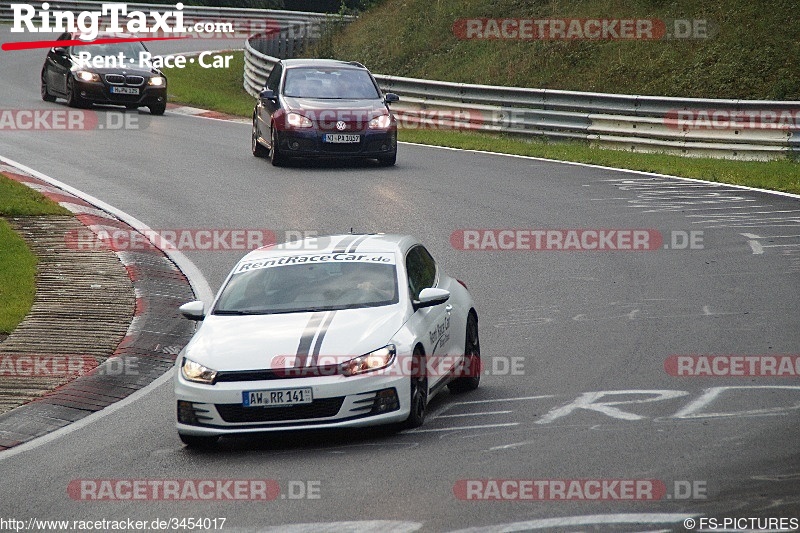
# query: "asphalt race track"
[570,323]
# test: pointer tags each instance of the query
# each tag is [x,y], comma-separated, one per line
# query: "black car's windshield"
[337,83]
[129,50]
[310,283]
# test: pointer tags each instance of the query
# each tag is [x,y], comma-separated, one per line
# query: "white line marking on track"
[459,428]
[756,247]
[743,215]
[695,408]
[511,446]
[516,399]
[475,414]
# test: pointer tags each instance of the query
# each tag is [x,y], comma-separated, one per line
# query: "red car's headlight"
[380,123]
[296,120]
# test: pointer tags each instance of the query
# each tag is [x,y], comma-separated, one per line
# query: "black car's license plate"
[274,398]
[125,90]
[341,138]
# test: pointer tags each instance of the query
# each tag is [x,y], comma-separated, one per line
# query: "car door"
[266,108]
[57,67]
[431,323]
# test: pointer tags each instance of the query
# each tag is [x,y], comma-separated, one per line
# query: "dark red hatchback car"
[323,108]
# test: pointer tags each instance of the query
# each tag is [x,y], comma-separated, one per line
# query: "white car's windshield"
[309,287]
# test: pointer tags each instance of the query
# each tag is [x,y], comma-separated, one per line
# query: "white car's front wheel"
[419,391]
[471,377]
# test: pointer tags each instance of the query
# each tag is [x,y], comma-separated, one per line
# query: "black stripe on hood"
[308,336]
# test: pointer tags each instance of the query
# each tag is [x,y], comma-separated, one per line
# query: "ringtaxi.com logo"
[577,490]
[116,15]
[620,239]
[66,120]
[116,18]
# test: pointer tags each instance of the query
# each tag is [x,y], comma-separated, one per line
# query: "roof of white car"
[348,243]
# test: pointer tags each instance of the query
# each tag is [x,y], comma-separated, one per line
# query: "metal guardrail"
[288,41]
[257,66]
[628,122]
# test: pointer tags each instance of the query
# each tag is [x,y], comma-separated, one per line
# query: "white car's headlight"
[297,120]
[196,372]
[380,123]
[156,81]
[370,362]
[85,75]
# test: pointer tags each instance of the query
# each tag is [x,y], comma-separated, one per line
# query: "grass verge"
[18,272]
[221,90]
[211,88]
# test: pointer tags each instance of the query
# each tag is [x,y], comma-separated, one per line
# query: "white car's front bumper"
[338,402]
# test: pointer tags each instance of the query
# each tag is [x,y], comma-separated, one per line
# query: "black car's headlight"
[296,120]
[196,372]
[370,362]
[157,81]
[85,75]
[380,123]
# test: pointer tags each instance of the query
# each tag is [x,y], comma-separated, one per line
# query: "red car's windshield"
[334,83]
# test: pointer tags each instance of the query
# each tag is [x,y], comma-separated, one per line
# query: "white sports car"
[330,332]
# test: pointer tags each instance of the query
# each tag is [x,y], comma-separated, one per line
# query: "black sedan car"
[323,108]
[110,73]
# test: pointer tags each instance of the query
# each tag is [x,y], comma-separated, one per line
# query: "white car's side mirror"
[430,297]
[193,310]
